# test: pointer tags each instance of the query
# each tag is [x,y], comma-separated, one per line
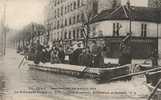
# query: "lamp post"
[87,16]
[4,28]
[130,16]
[157,46]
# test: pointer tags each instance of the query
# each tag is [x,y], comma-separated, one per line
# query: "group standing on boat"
[76,54]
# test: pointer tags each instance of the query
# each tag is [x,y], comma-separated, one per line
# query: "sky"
[22,12]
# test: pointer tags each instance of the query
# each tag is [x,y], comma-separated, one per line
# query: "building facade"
[115,24]
[154,3]
[104,5]
[66,17]
[1,39]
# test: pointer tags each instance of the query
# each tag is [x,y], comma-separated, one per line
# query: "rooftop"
[125,13]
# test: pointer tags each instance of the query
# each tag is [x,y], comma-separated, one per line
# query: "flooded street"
[28,84]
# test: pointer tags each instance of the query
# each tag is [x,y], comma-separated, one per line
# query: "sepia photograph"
[80,49]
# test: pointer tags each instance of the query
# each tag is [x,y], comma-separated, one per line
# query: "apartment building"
[66,17]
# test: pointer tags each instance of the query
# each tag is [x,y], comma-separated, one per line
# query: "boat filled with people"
[79,61]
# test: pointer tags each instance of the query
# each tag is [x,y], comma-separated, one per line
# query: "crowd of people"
[76,54]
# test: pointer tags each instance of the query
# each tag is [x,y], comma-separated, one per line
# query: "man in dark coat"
[46,54]
[38,52]
[98,60]
[126,56]
[85,58]
[54,57]
[61,54]
[75,55]
[70,54]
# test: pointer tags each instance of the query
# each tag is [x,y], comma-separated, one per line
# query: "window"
[65,35]
[55,13]
[68,8]
[57,35]
[58,24]
[75,5]
[65,22]
[65,10]
[61,11]
[116,29]
[69,35]
[55,3]
[77,33]
[55,25]
[143,30]
[70,21]
[71,7]
[61,23]
[61,36]
[74,20]
[78,4]
[82,2]
[82,17]
[58,12]
[77,18]
[74,34]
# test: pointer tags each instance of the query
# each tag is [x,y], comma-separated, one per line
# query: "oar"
[155,89]
[19,66]
[135,74]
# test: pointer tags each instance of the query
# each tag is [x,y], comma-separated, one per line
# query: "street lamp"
[4,28]
[158,9]
[130,16]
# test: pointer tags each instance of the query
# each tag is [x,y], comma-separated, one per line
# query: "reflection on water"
[29,84]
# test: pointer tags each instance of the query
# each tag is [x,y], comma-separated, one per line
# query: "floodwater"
[29,84]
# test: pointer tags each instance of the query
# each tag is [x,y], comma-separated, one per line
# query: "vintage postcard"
[80,49]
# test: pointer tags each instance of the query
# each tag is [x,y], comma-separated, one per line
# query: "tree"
[30,31]
[88,14]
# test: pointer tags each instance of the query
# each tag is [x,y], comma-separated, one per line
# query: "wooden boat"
[99,74]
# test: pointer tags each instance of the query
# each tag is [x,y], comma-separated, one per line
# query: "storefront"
[141,48]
